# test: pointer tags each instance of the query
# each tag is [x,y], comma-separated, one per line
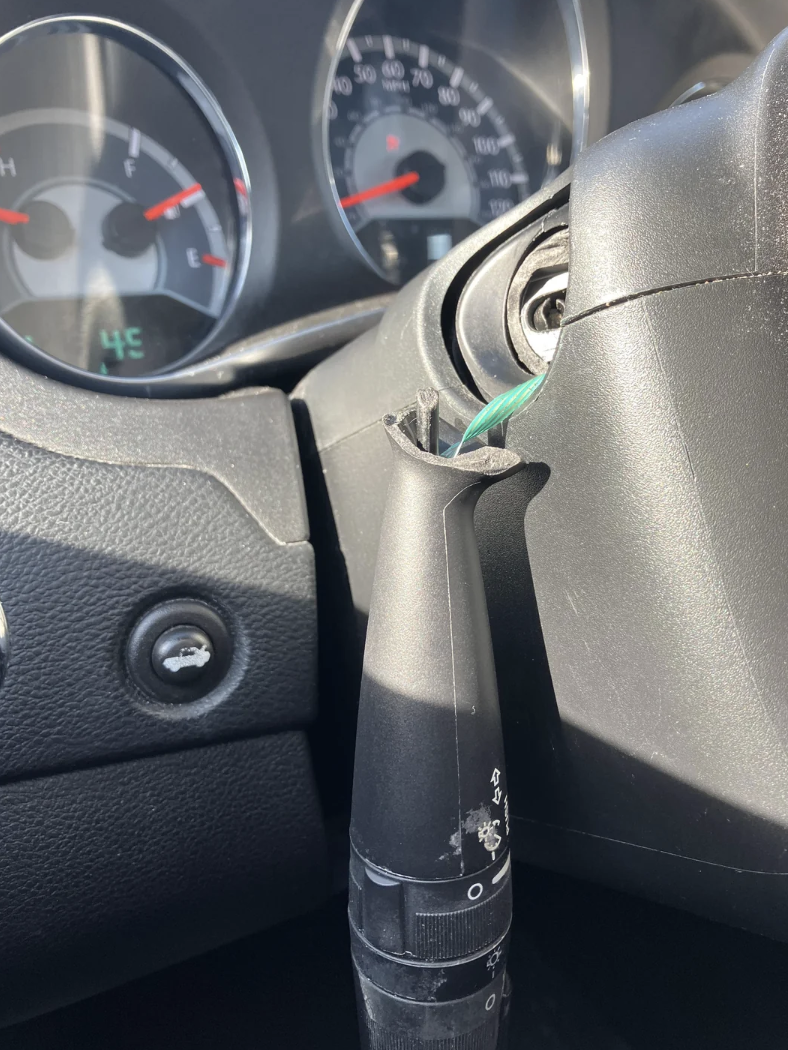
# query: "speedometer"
[419,153]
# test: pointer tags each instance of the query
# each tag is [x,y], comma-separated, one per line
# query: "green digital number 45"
[123,344]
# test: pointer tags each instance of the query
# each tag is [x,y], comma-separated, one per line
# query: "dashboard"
[179,179]
[175,177]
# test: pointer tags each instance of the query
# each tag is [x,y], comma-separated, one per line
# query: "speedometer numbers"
[419,154]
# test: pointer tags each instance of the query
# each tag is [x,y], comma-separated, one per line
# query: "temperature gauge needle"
[410,178]
[13,218]
[181,197]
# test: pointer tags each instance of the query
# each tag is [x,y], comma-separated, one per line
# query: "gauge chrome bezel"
[173,66]
[572,17]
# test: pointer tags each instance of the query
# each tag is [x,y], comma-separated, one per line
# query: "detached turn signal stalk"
[430,872]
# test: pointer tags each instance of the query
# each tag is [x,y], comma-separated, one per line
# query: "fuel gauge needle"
[383,189]
[185,197]
[13,218]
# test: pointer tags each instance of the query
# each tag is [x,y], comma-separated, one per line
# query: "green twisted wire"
[498,411]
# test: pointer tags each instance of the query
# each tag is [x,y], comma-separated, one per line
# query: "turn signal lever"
[430,871]
[657,548]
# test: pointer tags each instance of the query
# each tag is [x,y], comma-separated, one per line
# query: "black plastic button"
[179,651]
[182,654]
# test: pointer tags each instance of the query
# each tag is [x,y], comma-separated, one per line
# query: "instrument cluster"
[174,178]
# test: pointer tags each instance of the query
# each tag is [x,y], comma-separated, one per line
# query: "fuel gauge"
[117,255]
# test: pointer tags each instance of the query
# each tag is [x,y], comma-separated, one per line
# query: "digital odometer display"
[419,153]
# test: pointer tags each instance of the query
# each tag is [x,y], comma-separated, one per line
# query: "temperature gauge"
[118,255]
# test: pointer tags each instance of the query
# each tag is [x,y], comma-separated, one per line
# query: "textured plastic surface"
[245,441]
[436,921]
[109,872]
[430,897]
[85,548]
[107,508]
[677,708]
[688,195]
[666,642]
[466,1025]
[650,753]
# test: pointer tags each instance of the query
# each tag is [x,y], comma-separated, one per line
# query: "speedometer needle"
[13,218]
[157,210]
[410,178]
